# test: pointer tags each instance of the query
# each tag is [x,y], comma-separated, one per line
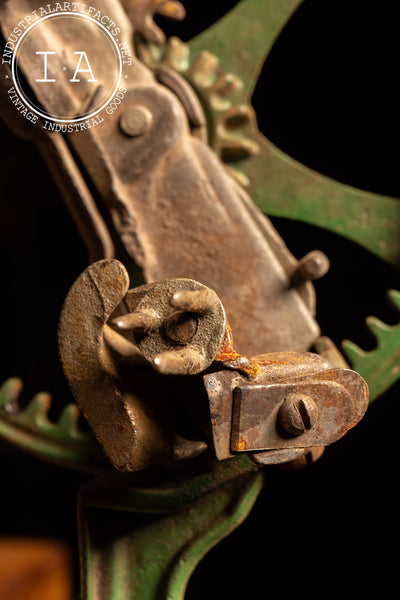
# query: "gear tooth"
[9,394]
[238,149]
[171,9]
[223,89]
[394,299]
[234,144]
[68,422]
[31,430]
[227,83]
[205,69]
[37,409]
[239,176]
[379,366]
[353,352]
[238,116]
[177,54]
[150,54]
[377,327]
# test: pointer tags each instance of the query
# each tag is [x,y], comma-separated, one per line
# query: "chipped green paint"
[183,534]
[282,187]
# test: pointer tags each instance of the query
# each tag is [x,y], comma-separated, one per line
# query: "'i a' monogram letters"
[82,58]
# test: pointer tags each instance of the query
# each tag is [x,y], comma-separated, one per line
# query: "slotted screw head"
[298,414]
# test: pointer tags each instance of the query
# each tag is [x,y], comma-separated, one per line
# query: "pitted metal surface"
[251,414]
[172,210]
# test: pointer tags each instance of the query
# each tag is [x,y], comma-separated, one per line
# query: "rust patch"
[240,445]
[232,359]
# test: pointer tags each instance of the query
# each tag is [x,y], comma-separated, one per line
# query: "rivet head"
[313,266]
[136,120]
[297,414]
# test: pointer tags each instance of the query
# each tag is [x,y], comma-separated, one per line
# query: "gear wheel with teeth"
[230,119]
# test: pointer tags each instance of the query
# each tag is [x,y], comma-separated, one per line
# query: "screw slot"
[298,414]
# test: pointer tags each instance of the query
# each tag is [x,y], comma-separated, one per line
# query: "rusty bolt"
[136,120]
[298,414]
[180,327]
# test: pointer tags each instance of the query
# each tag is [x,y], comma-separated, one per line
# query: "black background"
[328,97]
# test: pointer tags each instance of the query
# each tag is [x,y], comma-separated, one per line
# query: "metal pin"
[312,266]
[184,449]
[138,320]
[185,362]
[198,301]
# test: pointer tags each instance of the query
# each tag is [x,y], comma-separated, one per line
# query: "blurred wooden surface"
[34,570]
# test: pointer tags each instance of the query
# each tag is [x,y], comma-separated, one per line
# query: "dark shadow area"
[327,94]
[328,530]
[355,286]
